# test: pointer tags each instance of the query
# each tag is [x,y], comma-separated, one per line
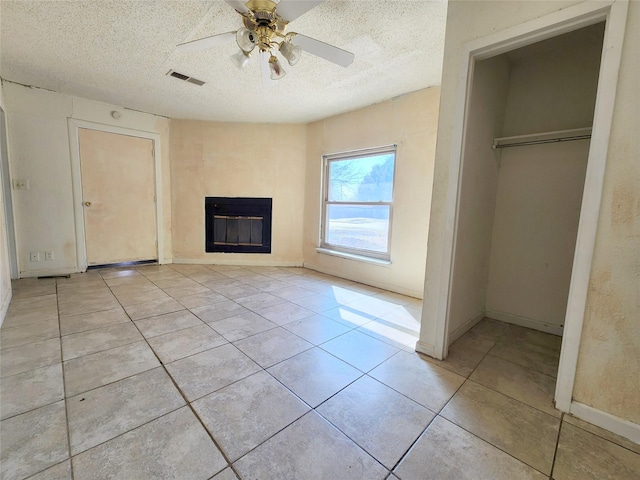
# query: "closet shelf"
[545,137]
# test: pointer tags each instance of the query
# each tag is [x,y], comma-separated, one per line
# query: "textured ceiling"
[120,51]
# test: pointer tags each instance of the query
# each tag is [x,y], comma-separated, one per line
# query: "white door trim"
[7,191]
[557,23]
[76,174]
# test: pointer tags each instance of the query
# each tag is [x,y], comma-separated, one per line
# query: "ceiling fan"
[265,22]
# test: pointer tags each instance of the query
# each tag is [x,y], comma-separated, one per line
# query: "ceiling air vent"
[186,78]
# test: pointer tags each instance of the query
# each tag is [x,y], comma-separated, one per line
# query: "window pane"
[358,227]
[366,179]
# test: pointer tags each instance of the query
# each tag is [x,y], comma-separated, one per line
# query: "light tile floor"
[201,372]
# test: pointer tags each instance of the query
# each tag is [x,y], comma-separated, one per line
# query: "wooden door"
[118,197]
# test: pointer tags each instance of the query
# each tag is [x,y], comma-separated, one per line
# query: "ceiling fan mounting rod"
[262,13]
[261,6]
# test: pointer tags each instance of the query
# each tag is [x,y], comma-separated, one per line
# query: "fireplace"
[237,225]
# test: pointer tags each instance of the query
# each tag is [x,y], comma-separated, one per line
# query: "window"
[358,199]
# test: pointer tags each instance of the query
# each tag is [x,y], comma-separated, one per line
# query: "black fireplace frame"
[240,207]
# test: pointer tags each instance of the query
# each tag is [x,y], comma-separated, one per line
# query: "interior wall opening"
[519,207]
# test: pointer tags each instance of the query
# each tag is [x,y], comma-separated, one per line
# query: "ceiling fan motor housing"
[262,13]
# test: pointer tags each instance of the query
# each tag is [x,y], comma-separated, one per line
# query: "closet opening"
[524,159]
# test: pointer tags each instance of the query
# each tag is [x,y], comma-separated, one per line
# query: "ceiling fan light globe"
[240,59]
[277,72]
[291,52]
[246,39]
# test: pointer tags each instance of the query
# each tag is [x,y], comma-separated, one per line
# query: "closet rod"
[540,138]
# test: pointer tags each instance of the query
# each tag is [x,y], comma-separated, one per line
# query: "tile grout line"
[314,409]
[187,404]
[236,381]
[515,399]
[364,374]
[555,451]
[311,410]
[468,379]
[64,390]
[437,414]
[56,401]
[284,301]
[619,444]
[230,464]
[131,430]
[492,445]
[497,391]
[262,369]
[410,447]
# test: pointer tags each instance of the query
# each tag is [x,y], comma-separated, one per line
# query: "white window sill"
[352,256]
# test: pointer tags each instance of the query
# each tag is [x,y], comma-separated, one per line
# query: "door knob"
[87,204]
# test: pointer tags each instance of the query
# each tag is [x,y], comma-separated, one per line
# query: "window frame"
[327,159]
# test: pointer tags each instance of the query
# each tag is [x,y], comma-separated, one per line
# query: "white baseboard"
[355,278]
[605,420]
[526,322]
[5,305]
[425,349]
[232,262]
[465,327]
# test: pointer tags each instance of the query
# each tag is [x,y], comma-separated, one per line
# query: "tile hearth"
[217,372]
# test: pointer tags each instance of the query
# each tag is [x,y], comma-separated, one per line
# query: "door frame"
[7,192]
[76,174]
[614,13]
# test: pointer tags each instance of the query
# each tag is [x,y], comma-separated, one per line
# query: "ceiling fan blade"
[238,5]
[265,71]
[289,10]
[324,50]
[207,42]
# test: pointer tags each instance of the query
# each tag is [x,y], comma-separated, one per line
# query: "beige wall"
[37,124]
[237,160]
[216,159]
[478,197]
[5,277]
[410,122]
[552,86]
[535,226]
[609,359]
[610,345]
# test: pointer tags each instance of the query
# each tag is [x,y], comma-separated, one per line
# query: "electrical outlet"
[21,184]
[48,255]
[34,256]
